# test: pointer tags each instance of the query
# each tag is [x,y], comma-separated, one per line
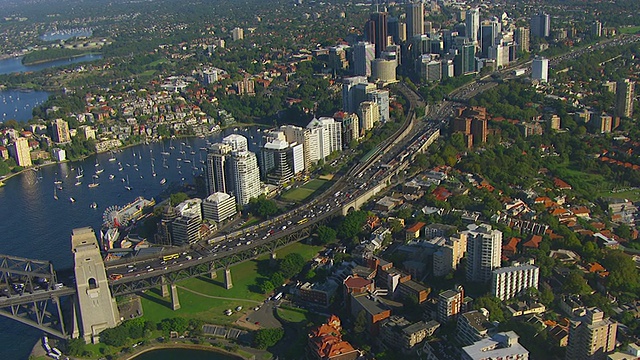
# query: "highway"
[391,156]
[364,175]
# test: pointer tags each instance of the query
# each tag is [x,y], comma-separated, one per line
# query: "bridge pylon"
[175,301]
[228,284]
[97,309]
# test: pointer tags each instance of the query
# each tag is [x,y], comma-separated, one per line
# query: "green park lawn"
[629,30]
[245,290]
[303,191]
[631,195]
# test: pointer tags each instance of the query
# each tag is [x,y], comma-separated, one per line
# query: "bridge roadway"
[135,274]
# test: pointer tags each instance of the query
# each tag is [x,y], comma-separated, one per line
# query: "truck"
[277,297]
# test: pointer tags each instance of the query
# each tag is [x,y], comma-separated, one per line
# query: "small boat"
[93,205]
[112,158]
[78,183]
[55,194]
[99,171]
[163,181]
[92,185]
[72,199]
[57,182]
[111,177]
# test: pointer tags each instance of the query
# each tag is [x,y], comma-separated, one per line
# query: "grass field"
[244,277]
[582,181]
[629,30]
[303,191]
[293,316]
[631,195]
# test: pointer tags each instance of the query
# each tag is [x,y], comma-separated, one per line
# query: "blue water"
[14,65]
[18,105]
[35,225]
[66,34]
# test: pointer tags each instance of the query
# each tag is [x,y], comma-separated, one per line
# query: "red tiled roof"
[416,227]
[533,242]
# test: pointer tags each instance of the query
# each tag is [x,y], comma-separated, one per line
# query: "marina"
[51,220]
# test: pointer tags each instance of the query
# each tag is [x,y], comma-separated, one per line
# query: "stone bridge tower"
[97,309]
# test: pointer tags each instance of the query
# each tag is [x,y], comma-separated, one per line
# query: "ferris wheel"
[112,217]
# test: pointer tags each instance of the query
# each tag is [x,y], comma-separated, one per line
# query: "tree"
[263,207]
[291,265]
[326,234]
[265,338]
[492,304]
[576,284]
[178,197]
[623,275]
[266,287]
[360,324]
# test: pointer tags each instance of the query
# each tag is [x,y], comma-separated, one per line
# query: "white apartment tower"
[381,98]
[329,135]
[484,249]
[20,151]
[301,136]
[237,142]
[512,281]
[540,69]
[369,116]
[244,169]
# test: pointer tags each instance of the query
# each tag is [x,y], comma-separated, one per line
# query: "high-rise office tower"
[415,18]
[624,98]
[465,60]
[541,25]
[348,88]
[488,36]
[61,131]
[376,31]
[185,230]
[237,142]
[217,169]
[591,336]
[522,38]
[381,98]
[244,168]
[277,162]
[396,30]
[484,249]
[472,22]
[540,69]
[363,53]
[218,207]
[20,152]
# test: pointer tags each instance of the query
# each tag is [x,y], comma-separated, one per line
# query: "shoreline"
[153,347]
[3,181]
[44,61]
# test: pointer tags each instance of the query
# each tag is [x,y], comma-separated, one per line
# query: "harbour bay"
[35,225]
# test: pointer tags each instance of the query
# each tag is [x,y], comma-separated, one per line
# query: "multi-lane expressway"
[138,273]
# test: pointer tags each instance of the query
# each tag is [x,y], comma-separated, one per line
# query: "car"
[257,323]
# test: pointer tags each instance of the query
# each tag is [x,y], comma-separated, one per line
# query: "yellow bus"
[302,221]
[170,257]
